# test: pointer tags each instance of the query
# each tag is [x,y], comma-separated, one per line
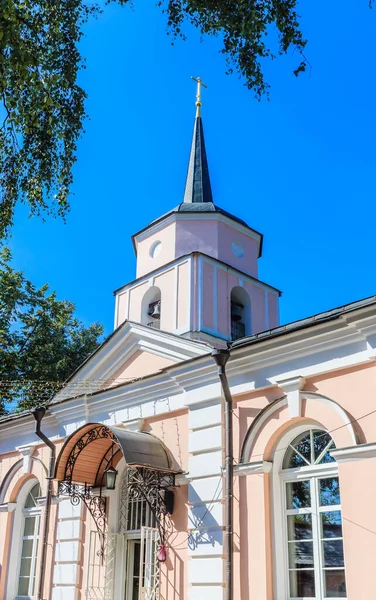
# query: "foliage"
[41,104]
[41,341]
[244,26]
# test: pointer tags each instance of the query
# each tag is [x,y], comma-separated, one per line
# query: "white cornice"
[253,468]
[130,338]
[351,453]
[319,349]
[148,276]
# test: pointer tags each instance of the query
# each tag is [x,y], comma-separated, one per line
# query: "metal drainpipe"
[221,357]
[38,414]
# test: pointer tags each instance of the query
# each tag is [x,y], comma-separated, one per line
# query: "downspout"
[38,414]
[221,357]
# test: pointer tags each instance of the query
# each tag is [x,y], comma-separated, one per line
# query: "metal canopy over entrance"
[89,450]
[92,449]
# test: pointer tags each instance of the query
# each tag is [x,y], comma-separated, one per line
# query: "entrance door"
[132,582]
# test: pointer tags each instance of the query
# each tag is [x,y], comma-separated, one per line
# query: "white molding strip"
[355,452]
[253,468]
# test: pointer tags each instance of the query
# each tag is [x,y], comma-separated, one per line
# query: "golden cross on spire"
[198,95]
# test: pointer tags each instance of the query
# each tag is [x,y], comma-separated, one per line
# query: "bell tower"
[197,266]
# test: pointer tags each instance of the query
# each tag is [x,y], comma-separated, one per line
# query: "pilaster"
[68,551]
[205,496]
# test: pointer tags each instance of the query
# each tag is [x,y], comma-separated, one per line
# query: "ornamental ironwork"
[151,485]
[144,483]
[96,506]
[96,433]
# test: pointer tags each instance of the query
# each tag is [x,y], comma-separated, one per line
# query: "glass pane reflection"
[329,491]
[299,527]
[331,524]
[335,584]
[333,553]
[302,584]
[298,494]
[300,555]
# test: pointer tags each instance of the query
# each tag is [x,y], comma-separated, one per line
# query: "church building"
[204,451]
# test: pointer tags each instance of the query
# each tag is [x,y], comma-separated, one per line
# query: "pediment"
[133,351]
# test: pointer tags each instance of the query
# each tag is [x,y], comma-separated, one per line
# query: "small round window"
[237,249]
[155,249]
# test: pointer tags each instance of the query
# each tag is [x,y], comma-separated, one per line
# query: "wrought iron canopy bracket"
[96,506]
[149,484]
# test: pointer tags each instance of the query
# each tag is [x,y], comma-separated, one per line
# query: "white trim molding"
[8,507]
[253,468]
[354,452]
[292,388]
[26,452]
[134,424]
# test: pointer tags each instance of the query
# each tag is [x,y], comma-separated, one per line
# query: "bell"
[236,312]
[156,314]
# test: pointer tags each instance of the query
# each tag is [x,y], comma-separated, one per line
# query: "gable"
[137,366]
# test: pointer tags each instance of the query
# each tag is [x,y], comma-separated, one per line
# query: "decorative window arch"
[24,546]
[309,558]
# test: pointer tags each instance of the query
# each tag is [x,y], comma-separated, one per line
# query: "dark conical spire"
[197,186]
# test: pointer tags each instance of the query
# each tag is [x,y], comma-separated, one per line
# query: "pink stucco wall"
[246,263]
[183,295]
[196,236]
[121,315]
[138,365]
[208,236]
[145,262]
[273,302]
[254,533]
[217,284]
[135,299]
[208,295]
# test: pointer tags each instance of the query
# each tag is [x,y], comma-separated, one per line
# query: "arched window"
[151,308]
[240,313]
[29,548]
[312,521]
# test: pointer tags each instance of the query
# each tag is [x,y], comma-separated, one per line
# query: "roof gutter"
[38,414]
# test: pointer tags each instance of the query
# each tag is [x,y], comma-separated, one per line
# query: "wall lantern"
[111,475]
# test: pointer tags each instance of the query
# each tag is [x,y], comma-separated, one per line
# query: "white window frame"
[280,535]
[17,539]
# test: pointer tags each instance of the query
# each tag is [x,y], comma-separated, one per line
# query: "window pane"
[27,549]
[31,500]
[303,445]
[329,492]
[320,442]
[25,567]
[29,526]
[335,584]
[298,494]
[302,584]
[293,460]
[331,524]
[300,555]
[333,553]
[299,527]
[23,586]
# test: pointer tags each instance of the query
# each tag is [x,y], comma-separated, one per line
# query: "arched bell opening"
[151,308]
[94,451]
[240,313]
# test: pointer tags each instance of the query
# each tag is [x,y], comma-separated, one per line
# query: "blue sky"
[299,168]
